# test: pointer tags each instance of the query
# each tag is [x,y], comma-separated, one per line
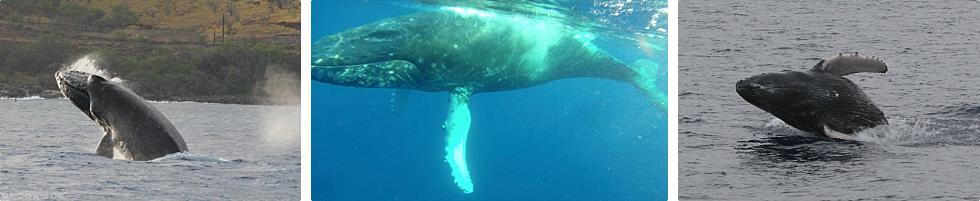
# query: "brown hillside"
[243,18]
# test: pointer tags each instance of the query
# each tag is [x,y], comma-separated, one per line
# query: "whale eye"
[383,35]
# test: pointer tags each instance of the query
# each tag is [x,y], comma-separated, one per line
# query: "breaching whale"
[134,129]
[819,100]
[465,51]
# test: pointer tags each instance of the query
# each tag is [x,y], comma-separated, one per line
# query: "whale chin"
[385,74]
[74,86]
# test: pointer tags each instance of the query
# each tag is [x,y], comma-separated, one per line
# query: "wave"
[163,101]
[188,156]
[25,98]
[965,110]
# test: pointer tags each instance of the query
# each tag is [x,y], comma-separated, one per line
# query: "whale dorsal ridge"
[844,64]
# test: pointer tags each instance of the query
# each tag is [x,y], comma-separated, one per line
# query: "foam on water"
[188,156]
[164,101]
[776,125]
[22,98]
[902,131]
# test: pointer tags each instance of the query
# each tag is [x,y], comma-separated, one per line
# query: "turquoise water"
[571,139]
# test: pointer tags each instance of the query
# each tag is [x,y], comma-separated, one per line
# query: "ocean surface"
[573,139]
[47,152]
[731,150]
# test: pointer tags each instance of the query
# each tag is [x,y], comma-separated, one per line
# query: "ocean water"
[47,152]
[731,150]
[573,139]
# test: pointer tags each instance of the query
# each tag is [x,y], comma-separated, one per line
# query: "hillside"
[252,18]
[213,51]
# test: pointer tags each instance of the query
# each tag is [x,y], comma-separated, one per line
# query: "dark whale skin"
[811,100]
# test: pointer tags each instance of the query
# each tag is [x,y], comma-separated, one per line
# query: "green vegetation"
[32,6]
[34,60]
[225,70]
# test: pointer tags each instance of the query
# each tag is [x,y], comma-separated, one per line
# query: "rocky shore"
[8,91]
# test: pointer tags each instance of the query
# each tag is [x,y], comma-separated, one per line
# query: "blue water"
[572,139]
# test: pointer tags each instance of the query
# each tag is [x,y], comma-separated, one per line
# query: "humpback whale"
[134,129]
[819,100]
[466,51]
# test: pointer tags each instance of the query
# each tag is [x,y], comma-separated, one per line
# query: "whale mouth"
[386,74]
[756,93]
[749,86]
[74,86]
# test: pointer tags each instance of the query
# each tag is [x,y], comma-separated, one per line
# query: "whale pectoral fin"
[457,127]
[650,78]
[105,146]
[399,97]
[844,64]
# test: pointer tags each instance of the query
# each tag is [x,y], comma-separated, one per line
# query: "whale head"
[372,56]
[791,96]
[79,87]
[74,85]
[771,90]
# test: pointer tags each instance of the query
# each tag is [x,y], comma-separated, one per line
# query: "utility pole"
[222,28]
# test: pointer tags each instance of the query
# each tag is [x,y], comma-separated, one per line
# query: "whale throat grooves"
[457,127]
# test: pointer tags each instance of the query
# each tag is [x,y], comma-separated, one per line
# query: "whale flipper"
[105,146]
[457,127]
[844,64]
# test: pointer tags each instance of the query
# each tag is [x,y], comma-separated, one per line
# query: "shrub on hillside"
[31,6]
[43,55]
[227,69]
[77,14]
[120,17]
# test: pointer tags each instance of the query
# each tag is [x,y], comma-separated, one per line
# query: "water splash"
[776,125]
[90,64]
[22,98]
[280,127]
[905,131]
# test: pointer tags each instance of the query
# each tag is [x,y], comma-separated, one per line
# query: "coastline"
[36,93]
